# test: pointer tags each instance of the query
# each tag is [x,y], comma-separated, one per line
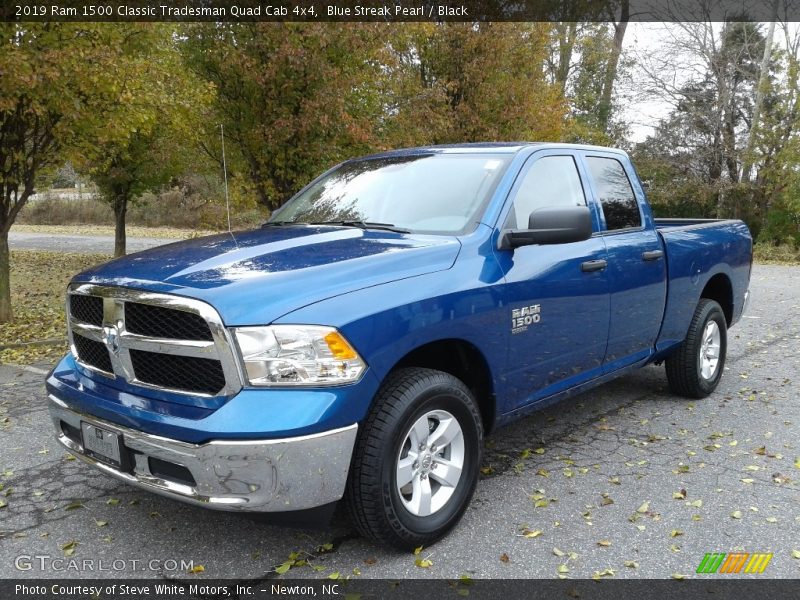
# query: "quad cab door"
[636,271]
[556,295]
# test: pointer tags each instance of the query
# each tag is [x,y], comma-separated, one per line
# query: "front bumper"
[273,475]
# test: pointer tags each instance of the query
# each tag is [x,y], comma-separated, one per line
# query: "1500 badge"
[521,318]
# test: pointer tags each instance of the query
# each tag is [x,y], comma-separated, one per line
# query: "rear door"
[556,296]
[636,260]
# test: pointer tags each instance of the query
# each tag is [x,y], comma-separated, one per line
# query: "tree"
[481,82]
[293,98]
[59,82]
[163,106]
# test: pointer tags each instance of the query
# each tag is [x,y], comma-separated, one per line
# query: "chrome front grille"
[152,340]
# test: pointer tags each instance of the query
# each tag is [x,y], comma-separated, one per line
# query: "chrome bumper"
[254,475]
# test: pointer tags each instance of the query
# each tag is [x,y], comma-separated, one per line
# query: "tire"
[410,401]
[690,370]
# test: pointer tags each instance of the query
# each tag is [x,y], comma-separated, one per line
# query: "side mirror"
[552,225]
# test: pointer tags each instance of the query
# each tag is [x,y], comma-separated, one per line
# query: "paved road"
[615,465]
[101,244]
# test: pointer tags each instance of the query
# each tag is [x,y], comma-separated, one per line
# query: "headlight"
[297,355]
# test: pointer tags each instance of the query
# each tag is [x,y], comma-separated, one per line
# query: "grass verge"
[769,254]
[108,230]
[38,283]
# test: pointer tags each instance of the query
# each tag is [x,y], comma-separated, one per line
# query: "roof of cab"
[494,147]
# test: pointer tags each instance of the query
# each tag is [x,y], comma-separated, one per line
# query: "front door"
[556,296]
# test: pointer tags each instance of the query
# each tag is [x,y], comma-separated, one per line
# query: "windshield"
[424,193]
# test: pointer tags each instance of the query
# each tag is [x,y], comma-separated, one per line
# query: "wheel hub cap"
[710,350]
[430,462]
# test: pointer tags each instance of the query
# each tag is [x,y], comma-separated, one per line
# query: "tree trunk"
[120,211]
[763,82]
[604,110]
[5,278]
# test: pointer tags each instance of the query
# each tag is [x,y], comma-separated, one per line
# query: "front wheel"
[416,462]
[694,370]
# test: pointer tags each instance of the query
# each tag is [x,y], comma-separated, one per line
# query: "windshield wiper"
[364,225]
[280,223]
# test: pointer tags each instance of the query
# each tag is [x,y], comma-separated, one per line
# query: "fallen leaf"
[423,563]
[675,533]
[563,569]
[771,520]
[643,508]
[631,564]
[335,574]
[558,552]
[678,576]
[112,501]
[604,543]
[74,505]
[282,568]
[531,533]
[200,568]
[737,514]
[69,548]
[796,554]
[504,557]
[417,550]
[101,523]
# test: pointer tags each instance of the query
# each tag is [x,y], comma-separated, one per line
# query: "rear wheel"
[695,369]
[415,465]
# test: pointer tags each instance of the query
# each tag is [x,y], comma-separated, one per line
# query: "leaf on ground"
[615,481]
[417,550]
[3,503]
[604,573]
[100,523]
[525,453]
[643,508]
[423,563]
[284,567]
[531,533]
[679,495]
[604,543]
[558,552]
[69,547]
[74,505]
[796,554]
[675,533]
[487,470]
[632,564]
[196,569]
[539,451]
[695,503]
[563,569]
[678,576]
[737,514]
[335,574]
[112,501]
[771,520]
[504,558]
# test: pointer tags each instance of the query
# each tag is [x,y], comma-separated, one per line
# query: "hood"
[254,277]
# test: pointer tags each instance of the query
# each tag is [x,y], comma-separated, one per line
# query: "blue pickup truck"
[362,343]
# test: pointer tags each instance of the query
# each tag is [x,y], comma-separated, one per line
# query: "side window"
[616,195]
[551,181]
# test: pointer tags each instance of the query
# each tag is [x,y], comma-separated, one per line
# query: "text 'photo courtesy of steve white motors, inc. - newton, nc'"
[249,11]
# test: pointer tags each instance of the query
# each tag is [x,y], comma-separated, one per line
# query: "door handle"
[593,265]
[652,254]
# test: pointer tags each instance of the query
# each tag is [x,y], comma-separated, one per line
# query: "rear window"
[615,193]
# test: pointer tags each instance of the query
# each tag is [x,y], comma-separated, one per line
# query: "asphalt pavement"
[624,481]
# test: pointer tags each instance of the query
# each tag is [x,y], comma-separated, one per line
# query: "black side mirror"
[552,225]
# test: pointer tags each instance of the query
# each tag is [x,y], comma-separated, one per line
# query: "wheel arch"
[720,289]
[462,360]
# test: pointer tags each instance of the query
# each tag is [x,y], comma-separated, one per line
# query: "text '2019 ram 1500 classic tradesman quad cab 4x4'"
[364,340]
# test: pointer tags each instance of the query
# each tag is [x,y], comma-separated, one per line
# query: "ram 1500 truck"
[362,343]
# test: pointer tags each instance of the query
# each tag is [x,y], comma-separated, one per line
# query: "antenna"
[225,175]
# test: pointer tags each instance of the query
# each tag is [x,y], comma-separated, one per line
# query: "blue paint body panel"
[391,293]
